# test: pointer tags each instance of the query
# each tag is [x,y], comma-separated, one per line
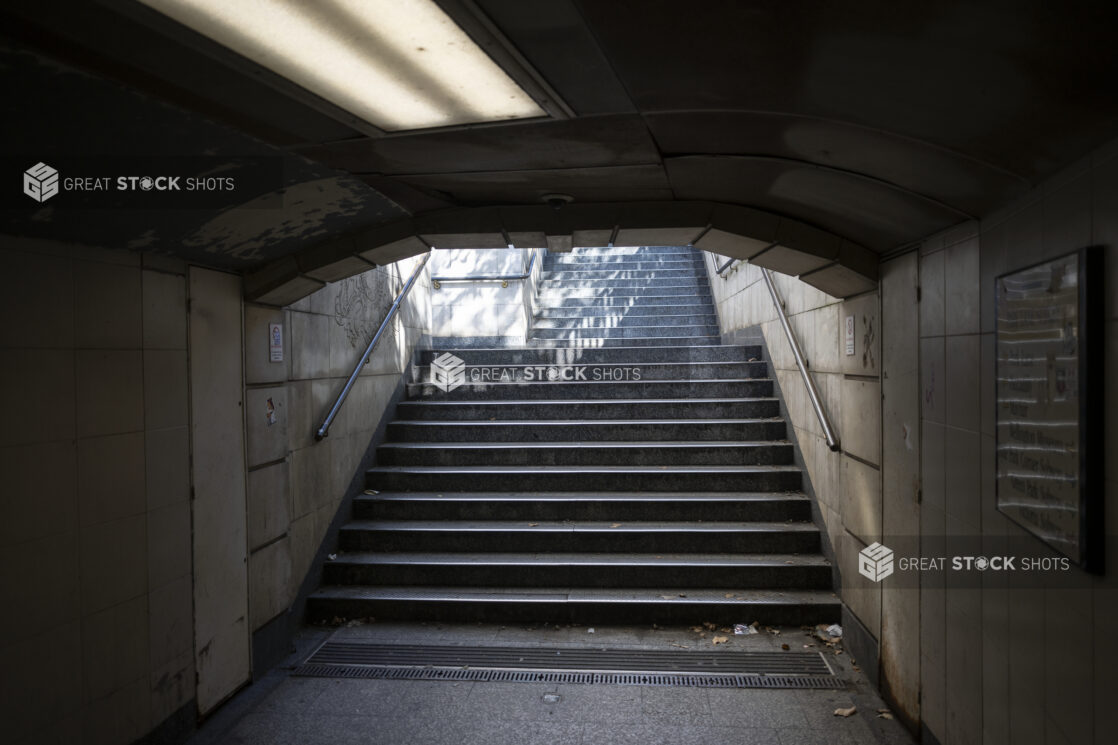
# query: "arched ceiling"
[864,125]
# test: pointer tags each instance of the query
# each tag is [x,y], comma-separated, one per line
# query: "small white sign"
[275,342]
[849,336]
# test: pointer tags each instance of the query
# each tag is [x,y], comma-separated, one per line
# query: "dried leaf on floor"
[532,525]
[785,647]
[709,626]
[884,714]
[846,712]
[719,640]
[615,525]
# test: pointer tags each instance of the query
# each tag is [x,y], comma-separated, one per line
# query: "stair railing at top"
[812,392]
[504,279]
[324,430]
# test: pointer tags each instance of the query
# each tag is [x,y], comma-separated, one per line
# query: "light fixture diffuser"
[396,64]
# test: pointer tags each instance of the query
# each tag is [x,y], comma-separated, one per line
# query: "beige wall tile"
[962,359]
[961,288]
[109,390]
[269,572]
[114,648]
[991,264]
[42,284]
[40,586]
[37,391]
[963,672]
[266,420]
[861,419]
[51,684]
[111,477]
[269,504]
[310,477]
[932,465]
[122,716]
[40,491]
[164,311]
[113,562]
[1070,658]
[172,687]
[933,380]
[168,533]
[861,500]
[165,389]
[932,295]
[167,468]
[866,359]
[107,306]
[171,614]
[310,345]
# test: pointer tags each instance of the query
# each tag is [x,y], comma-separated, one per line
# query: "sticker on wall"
[275,342]
[850,336]
[270,413]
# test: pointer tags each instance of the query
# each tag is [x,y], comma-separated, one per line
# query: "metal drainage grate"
[529,676]
[807,670]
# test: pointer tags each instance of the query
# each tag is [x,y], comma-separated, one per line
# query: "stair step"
[622,321]
[628,263]
[621,299]
[586,537]
[612,507]
[650,389]
[631,251]
[646,430]
[696,292]
[593,355]
[625,311]
[579,478]
[509,373]
[652,341]
[624,332]
[580,409]
[583,274]
[647,283]
[566,569]
[547,454]
[583,605]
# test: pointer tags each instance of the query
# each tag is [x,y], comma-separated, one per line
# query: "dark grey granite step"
[583,409]
[644,283]
[617,453]
[652,430]
[604,506]
[580,275]
[605,371]
[583,605]
[582,478]
[658,538]
[624,332]
[649,389]
[650,341]
[550,295]
[630,570]
[622,321]
[628,311]
[592,355]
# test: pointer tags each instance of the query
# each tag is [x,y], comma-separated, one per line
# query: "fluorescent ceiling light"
[397,64]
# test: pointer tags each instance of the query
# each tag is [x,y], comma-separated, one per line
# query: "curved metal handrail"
[324,430]
[505,278]
[812,392]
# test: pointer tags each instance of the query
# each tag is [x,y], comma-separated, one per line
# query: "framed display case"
[1049,403]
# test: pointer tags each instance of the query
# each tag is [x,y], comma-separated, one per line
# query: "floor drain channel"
[808,670]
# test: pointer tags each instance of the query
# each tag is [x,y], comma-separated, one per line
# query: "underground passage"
[548,371]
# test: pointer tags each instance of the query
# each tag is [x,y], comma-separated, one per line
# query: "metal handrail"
[505,278]
[812,392]
[324,430]
[725,266]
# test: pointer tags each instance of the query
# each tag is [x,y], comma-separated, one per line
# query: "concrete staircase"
[624,467]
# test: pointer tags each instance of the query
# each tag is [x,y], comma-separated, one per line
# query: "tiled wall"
[1009,663]
[95,523]
[848,484]
[295,484]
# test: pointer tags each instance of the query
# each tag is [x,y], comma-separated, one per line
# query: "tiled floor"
[281,709]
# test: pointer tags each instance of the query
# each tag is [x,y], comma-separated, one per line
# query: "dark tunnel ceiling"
[878,122]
